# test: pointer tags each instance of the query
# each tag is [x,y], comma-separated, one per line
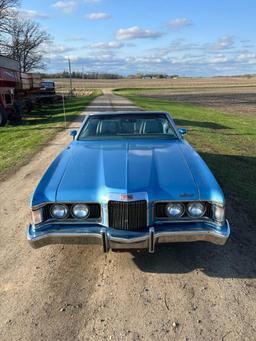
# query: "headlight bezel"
[159,213]
[95,212]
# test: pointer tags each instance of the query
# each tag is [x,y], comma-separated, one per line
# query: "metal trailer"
[9,80]
[21,92]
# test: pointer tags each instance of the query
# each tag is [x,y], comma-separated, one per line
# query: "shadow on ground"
[237,259]
[209,125]
[234,260]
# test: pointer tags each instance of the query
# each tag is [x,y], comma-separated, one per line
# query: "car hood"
[95,169]
[161,170]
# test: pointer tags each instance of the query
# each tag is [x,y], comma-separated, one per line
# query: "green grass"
[226,142]
[20,142]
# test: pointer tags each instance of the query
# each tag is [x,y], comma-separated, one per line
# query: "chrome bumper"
[120,239]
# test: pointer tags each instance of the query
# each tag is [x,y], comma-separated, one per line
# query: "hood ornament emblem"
[126,197]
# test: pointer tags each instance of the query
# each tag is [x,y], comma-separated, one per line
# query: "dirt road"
[183,292]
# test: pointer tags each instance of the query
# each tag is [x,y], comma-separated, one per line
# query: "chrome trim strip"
[179,201]
[165,220]
[51,222]
[120,239]
[191,200]
[151,246]
[105,242]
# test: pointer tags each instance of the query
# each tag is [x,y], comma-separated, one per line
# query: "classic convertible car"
[128,181]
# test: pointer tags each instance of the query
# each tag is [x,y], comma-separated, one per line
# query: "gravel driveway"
[182,292]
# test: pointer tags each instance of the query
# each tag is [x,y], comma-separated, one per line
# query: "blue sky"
[185,37]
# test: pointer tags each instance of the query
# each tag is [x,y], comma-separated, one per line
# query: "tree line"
[83,75]
[20,38]
[105,75]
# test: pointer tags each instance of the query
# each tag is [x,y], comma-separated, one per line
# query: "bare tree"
[6,12]
[25,43]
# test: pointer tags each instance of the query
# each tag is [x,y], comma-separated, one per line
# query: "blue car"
[128,181]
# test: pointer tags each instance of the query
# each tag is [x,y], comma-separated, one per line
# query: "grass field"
[227,142]
[20,142]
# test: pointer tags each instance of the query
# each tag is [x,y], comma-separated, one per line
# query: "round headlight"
[80,211]
[174,210]
[59,211]
[196,209]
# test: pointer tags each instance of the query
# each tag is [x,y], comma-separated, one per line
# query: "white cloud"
[32,14]
[52,50]
[97,16]
[249,58]
[219,59]
[183,57]
[72,58]
[187,64]
[136,32]
[223,43]
[180,45]
[65,6]
[108,45]
[180,23]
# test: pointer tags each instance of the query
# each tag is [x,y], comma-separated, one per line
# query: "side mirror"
[182,131]
[73,133]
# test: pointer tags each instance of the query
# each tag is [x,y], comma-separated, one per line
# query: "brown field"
[228,94]
[175,84]
[235,101]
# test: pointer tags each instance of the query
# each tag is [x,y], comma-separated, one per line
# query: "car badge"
[126,197]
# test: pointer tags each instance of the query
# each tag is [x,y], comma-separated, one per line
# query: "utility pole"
[70,77]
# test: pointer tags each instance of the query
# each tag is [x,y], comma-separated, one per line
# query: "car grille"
[127,215]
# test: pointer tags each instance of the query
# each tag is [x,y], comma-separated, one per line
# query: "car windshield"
[127,125]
